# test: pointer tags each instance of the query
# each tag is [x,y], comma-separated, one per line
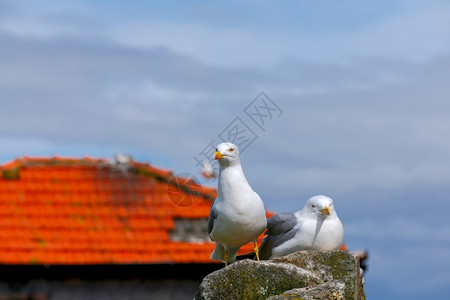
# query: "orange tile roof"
[92,211]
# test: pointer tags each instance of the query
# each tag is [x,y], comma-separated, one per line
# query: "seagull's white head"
[320,205]
[227,154]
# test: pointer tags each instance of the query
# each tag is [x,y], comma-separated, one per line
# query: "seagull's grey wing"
[212,217]
[281,223]
[279,230]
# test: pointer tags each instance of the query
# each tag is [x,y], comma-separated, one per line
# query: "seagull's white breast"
[240,212]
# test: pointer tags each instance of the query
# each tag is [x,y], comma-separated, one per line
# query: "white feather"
[240,216]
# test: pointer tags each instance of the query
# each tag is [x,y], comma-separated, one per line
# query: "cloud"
[413,230]
[400,31]
[111,90]
[407,35]
[87,91]
[369,130]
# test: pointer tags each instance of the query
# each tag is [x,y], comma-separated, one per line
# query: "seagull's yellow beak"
[325,211]
[218,155]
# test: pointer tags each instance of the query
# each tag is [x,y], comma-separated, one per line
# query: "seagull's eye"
[230,150]
[313,206]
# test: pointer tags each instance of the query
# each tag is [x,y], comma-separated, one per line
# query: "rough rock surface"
[300,275]
[333,290]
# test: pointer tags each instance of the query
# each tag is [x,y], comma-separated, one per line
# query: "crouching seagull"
[315,227]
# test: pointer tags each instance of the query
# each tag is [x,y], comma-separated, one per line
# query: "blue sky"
[362,85]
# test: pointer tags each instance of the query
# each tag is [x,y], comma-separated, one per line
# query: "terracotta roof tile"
[91,211]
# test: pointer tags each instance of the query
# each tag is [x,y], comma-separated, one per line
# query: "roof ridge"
[187,185]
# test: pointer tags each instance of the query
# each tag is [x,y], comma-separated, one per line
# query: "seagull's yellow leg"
[256,250]
[225,257]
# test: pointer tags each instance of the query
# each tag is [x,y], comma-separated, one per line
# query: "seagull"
[208,171]
[237,215]
[315,227]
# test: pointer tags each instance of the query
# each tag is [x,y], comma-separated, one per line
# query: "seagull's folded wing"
[279,230]
[212,217]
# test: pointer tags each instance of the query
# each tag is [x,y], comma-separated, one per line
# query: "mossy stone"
[301,275]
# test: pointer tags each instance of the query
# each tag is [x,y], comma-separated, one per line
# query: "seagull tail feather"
[219,253]
[232,252]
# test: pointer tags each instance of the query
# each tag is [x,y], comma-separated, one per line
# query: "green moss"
[148,174]
[252,280]
[34,261]
[42,243]
[79,218]
[13,174]
[258,280]
[342,268]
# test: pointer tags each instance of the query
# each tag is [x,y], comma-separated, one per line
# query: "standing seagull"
[315,227]
[237,215]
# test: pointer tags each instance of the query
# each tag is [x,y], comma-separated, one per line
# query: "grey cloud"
[370,133]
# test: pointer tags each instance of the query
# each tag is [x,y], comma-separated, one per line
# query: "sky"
[348,99]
